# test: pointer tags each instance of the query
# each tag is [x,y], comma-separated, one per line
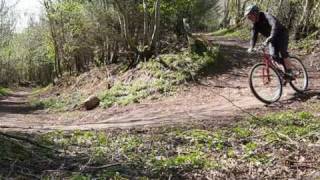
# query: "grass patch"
[159,77]
[242,33]
[4,91]
[124,94]
[58,103]
[40,90]
[223,32]
[282,143]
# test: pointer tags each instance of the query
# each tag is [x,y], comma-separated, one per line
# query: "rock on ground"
[91,103]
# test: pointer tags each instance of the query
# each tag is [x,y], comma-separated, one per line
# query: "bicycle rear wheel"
[265,83]
[300,76]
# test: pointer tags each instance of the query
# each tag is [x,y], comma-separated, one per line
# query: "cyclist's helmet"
[251,9]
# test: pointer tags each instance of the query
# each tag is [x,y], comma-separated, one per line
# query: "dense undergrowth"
[149,80]
[282,145]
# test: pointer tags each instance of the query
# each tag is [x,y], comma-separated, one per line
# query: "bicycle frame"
[272,75]
[267,60]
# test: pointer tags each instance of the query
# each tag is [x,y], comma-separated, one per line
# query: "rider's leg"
[274,53]
[285,55]
[283,49]
[287,64]
[279,52]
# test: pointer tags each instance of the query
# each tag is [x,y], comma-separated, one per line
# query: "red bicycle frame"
[268,62]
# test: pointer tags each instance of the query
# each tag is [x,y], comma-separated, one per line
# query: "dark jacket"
[268,26]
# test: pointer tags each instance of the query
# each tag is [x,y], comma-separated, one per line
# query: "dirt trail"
[205,102]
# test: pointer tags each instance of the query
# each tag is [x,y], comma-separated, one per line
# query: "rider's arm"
[273,23]
[254,37]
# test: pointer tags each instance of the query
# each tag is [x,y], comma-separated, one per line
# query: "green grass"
[242,33]
[40,90]
[4,91]
[58,103]
[268,143]
[224,31]
[124,94]
[159,77]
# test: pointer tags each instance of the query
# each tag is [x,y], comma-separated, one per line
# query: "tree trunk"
[303,23]
[57,62]
[155,35]
[145,24]
[225,20]
[307,24]
[238,6]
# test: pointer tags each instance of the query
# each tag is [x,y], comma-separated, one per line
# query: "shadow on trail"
[231,67]
[296,98]
[17,108]
[16,103]
[303,97]
[231,57]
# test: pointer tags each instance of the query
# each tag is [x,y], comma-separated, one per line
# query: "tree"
[146,48]
[7,24]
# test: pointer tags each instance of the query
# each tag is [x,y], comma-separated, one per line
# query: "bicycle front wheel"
[300,76]
[265,83]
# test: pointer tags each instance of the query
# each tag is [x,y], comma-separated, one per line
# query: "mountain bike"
[267,79]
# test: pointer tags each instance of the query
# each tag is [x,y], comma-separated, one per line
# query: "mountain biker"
[276,34]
